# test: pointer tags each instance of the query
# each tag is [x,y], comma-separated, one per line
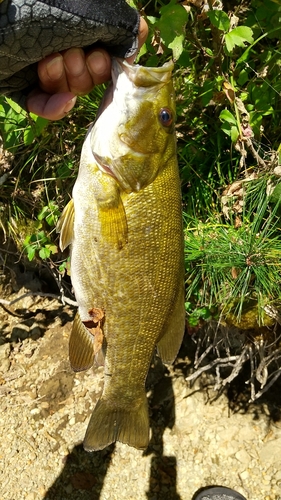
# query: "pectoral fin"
[114,224]
[65,225]
[111,212]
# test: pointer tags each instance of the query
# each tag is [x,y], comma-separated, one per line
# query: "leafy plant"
[17,126]
[39,243]
[227,81]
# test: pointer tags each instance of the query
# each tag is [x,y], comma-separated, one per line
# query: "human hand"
[65,75]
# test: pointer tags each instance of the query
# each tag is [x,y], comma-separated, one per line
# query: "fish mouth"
[103,165]
[140,75]
[126,180]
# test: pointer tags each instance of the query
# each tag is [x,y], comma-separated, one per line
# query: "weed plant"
[227,80]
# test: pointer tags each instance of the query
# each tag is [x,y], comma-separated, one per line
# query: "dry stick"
[203,355]
[266,387]
[252,379]
[237,366]
[265,362]
[223,361]
[39,294]
[254,152]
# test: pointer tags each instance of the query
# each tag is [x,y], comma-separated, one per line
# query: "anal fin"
[81,346]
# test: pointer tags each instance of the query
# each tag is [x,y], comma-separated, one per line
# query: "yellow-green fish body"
[125,229]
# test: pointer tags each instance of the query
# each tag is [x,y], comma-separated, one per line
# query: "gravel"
[198,437]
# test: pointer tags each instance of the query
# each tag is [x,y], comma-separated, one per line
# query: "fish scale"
[127,252]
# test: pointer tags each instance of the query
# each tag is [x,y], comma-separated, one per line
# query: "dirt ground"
[198,437]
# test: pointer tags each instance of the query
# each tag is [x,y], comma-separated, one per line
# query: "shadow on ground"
[84,473]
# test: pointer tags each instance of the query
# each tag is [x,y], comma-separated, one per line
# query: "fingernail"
[69,105]
[97,63]
[55,68]
[74,61]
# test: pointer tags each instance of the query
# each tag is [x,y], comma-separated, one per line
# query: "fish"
[124,228]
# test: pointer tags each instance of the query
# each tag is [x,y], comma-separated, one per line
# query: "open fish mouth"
[103,166]
[141,76]
[127,180]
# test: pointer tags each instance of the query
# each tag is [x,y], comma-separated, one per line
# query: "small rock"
[267,456]
[32,393]
[5,350]
[31,496]
[243,456]
[4,365]
[35,411]
[244,475]
[278,476]
[45,404]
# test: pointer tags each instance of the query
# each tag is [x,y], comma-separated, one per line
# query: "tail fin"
[109,424]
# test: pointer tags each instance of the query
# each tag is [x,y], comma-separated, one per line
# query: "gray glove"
[33,29]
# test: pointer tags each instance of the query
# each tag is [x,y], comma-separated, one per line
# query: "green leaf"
[227,116]
[152,19]
[230,130]
[43,213]
[35,129]
[219,19]
[50,213]
[193,320]
[243,77]
[207,91]
[172,22]
[177,46]
[28,135]
[16,107]
[238,36]
[44,253]
[188,306]
[234,133]
[30,252]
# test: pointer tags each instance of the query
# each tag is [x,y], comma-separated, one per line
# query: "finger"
[99,65]
[52,107]
[78,77]
[143,32]
[52,74]
[142,36]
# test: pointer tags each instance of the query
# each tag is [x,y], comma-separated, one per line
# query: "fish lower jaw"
[103,166]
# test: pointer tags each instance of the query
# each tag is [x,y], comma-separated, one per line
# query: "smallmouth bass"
[124,227]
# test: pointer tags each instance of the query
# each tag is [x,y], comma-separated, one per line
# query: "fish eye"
[166,117]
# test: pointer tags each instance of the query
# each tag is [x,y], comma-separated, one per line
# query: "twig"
[222,361]
[237,367]
[5,176]
[39,294]
[252,379]
[266,387]
[254,152]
